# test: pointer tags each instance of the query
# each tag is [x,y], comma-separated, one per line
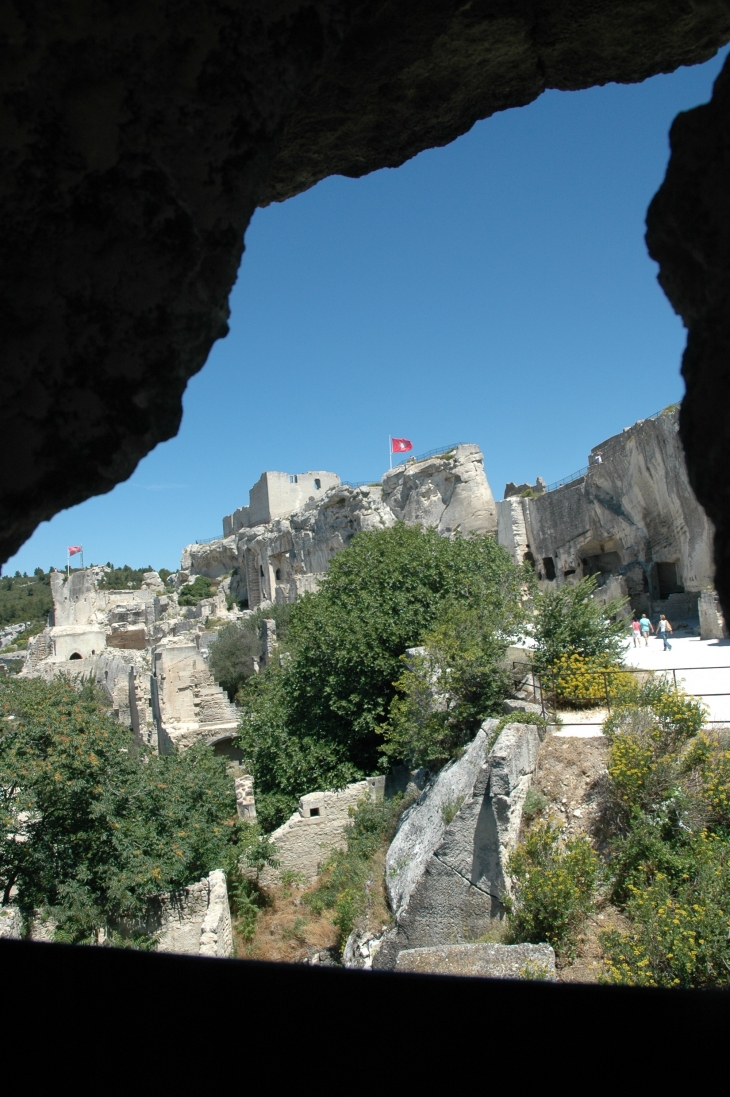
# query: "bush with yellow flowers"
[671,864]
[553,886]
[680,922]
[583,681]
[648,731]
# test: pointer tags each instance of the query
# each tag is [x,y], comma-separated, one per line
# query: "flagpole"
[390,450]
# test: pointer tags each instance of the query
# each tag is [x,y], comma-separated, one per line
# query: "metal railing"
[207,540]
[569,479]
[540,694]
[573,476]
[431,453]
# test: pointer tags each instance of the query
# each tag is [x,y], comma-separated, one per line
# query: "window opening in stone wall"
[293,480]
[261,569]
[568,571]
[668,579]
[528,558]
[313,811]
[318,484]
[549,564]
[75,655]
[278,574]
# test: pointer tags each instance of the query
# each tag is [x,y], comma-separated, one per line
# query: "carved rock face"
[138,139]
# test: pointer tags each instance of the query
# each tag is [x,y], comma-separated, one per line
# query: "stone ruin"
[288,552]
[305,841]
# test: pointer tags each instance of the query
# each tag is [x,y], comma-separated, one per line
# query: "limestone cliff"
[633,514]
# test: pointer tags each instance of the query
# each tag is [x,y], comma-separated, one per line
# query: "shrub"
[124,578]
[553,887]
[581,680]
[192,593]
[647,734]
[446,693]
[569,622]
[679,932]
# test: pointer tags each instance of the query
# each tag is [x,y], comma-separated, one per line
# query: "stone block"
[445,869]
[491,961]
[511,704]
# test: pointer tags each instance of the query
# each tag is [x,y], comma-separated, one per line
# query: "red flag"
[73,549]
[400,445]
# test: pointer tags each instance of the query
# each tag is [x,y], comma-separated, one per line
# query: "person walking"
[646,627]
[663,630]
[636,631]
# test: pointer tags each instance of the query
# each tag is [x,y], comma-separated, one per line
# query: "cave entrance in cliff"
[668,578]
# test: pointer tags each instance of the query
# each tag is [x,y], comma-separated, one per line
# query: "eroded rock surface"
[446,866]
[689,236]
[139,139]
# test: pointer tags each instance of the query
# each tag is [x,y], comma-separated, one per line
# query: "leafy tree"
[231,658]
[382,595]
[238,645]
[447,691]
[90,829]
[568,621]
[285,763]
[192,593]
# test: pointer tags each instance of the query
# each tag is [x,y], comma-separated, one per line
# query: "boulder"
[445,868]
[493,961]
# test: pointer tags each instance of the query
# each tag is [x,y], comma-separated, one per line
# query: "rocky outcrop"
[688,234]
[492,961]
[282,559]
[446,867]
[449,493]
[212,559]
[140,140]
[634,515]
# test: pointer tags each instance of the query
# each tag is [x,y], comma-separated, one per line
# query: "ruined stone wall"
[191,706]
[311,834]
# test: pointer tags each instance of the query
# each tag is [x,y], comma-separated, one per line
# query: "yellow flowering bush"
[553,884]
[648,733]
[680,934]
[711,762]
[583,681]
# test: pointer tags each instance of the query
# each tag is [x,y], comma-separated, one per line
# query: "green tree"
[382,595]
[90,829]
[447,691]
[569,621]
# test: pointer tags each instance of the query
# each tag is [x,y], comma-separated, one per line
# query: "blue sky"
[495,291]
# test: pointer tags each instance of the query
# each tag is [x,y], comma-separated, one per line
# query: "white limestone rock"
[449,493]
[446,867]
[491,961]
